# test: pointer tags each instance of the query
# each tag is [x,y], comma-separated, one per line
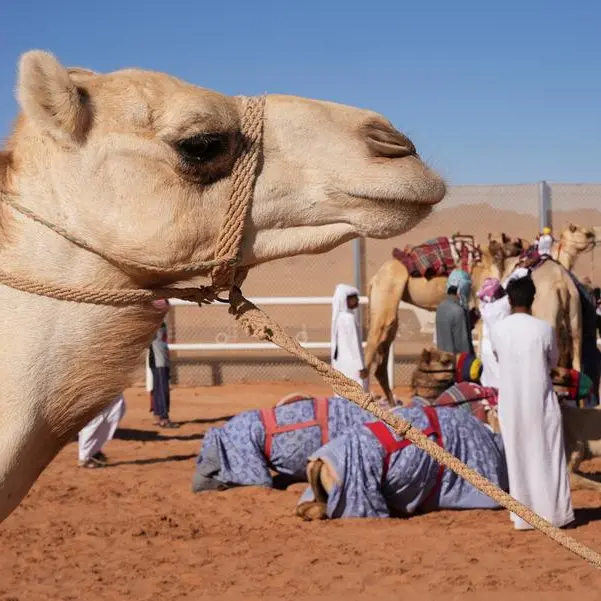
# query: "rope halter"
[223,268]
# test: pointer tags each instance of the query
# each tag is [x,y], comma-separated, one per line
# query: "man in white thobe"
[494,307]
[346,349]
[529,412]
[98,432]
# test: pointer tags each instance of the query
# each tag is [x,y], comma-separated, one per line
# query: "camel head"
[139,163]
[434,373]
[578,239]
[504,247]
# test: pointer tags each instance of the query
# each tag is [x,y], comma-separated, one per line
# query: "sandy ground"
[135,531]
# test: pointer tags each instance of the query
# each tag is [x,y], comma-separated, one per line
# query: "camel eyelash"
[201,148]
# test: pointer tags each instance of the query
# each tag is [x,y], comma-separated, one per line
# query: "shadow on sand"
[153,461]
[131,434]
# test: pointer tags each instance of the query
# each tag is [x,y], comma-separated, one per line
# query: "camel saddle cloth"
[439,256]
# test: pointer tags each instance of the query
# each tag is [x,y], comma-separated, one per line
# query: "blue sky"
[491,92]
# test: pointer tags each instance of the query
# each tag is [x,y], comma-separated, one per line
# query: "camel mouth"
[422,198]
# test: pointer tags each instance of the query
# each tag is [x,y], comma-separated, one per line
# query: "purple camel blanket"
[246,448]
[379,475]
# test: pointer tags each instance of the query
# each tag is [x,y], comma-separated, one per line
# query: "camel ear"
[572,227]
[50,98]
[505,238]
[426,355]
[489,236]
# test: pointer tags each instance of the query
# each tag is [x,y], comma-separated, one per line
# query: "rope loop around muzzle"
[228,253]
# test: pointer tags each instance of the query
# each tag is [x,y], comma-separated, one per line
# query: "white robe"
[347,350]
[101,429]
[491,313]
[530,418]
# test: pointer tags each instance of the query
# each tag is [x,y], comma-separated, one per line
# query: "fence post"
[358,274]
[544,205]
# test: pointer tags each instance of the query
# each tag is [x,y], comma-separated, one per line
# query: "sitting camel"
[392,283]
[435,381]
[369,472]
[244,450]
[119,181]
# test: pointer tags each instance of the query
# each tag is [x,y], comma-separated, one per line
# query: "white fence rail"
[425,319]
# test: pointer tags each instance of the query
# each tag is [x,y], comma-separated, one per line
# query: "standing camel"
[557,301]
[573,241]
[140,166]
[392,284]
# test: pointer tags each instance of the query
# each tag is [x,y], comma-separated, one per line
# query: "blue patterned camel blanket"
[371,482]
[244,450]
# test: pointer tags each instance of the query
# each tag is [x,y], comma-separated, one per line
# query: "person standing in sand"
[346,348]
[453,327]
[494,307]
[159,363]
[94,435]
[529,412]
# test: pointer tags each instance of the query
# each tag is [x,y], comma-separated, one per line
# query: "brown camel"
[139,165]
[392,284]
[582,427]
[557,300]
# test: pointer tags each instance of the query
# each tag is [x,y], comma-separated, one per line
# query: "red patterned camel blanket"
[439,256]
[469,396]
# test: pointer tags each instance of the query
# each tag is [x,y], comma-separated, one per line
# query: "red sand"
[135,531]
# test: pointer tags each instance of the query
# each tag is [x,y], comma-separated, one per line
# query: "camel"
[139,164]
[392,284]
[573,241]
[557,300]
[435,373]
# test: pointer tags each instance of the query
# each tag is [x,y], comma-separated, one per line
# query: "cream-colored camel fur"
[138,164]
[392,284]
[573,241]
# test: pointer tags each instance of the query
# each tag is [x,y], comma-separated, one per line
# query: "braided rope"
[257,324]
[244,175]
[104,296]
[228,248]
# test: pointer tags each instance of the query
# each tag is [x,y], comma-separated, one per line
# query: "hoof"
[311,511]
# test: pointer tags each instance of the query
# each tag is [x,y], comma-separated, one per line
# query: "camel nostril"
[385,141]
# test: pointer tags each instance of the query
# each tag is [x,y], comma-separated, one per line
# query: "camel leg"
[576,449]
[575,323]
[386,289]
[381,371]
[314,510]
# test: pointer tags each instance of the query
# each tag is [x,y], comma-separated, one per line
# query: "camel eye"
[201,148]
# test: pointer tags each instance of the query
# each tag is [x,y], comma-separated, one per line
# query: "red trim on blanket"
[391,445]
[320,411]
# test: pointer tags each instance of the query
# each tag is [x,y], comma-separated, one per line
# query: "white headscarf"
[339,305]
[517,274]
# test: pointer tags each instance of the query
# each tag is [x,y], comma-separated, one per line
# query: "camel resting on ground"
[244,450]
[138,165]
[436,372]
